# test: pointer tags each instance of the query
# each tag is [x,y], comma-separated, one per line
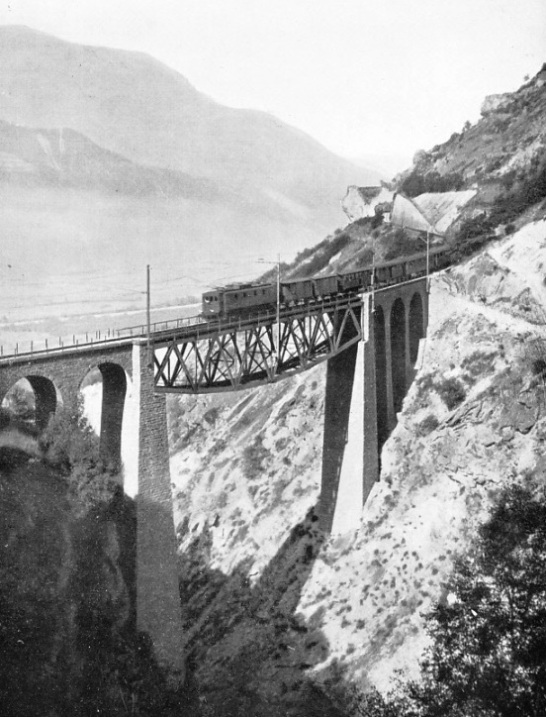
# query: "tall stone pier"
[157,588]
[349,457]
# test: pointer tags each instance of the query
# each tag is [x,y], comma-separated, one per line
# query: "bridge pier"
[157,588]
[349,458]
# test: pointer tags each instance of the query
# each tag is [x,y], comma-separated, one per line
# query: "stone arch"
[43,398]
[114,390]
[416,326]
[398,353]
[381,377]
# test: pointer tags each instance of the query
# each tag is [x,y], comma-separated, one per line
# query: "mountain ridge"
[134,105]
[155,172]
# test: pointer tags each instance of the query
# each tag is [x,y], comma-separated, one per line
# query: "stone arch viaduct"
[370,366]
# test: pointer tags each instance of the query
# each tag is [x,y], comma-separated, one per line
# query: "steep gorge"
[280,606]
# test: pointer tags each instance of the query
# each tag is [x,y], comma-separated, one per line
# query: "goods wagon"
[247,299]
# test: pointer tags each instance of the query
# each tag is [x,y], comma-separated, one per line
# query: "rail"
[191,327]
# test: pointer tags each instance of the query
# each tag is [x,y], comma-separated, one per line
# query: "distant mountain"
[65,158]
[110,160]
[134,106]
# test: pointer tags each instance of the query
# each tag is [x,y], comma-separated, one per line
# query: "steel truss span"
[244,353]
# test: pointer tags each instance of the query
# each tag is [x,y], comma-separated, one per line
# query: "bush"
[398,243]
[451,391]
[20,403]
[522,189]
[474,227]
[70,444]
[478,363]
[254,457]
[419,183]
[539,367]
[428,424]
[487,643]
[323,253]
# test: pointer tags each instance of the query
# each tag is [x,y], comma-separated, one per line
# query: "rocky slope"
[502,156]
[291,613]
[279,614]
[282,606]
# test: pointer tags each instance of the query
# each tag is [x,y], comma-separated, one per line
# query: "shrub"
[487,645]
[428,424]
[21,403]
[398,243]
[539,367]
[451,391]
[522,189]
[474,227]
[254,457]
[323,253]
[478,362]
[418,183]
[71,445]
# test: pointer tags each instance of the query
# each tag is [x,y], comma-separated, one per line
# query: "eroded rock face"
[472,421]
[495,102]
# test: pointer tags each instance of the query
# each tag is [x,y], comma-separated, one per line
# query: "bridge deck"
[192,327]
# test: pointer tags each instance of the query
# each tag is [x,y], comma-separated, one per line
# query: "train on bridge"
[244,299]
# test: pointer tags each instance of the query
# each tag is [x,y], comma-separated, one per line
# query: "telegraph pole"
[148,322]
[277,348]
[428,261]
[278,311]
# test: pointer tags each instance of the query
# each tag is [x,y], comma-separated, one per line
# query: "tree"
[70,444]
[488,654]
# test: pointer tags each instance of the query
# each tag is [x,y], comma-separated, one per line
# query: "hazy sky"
[364,78]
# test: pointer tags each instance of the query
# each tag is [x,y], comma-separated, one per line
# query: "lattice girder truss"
[234,358]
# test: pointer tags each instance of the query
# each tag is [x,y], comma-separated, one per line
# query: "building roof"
[433,212]
[443,208]
[361,201]
[406,214]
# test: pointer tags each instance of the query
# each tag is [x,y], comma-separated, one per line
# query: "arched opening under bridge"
[105,390]
[398,353]
[416,326]
[381,378]
[31,402]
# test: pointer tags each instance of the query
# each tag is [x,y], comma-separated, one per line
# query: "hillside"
[259,580]
[502,155]
[284,609]
[279,615]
